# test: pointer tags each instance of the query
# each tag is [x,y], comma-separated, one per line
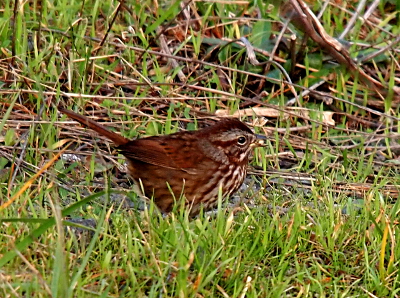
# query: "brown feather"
[196,165]
[87,122]
[161,152]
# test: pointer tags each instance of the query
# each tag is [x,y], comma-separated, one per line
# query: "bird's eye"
[241,140]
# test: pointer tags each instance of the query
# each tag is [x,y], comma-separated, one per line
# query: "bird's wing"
[177,154]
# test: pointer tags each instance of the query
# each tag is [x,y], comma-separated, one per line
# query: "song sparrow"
[196,165]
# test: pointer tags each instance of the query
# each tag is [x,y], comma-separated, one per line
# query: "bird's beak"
[260,141]
[261,137]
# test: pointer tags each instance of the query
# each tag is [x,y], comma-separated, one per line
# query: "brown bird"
[194,165]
